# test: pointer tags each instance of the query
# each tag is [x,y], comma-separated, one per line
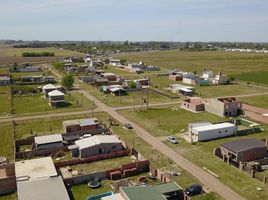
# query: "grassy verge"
[259,101]
[255,77]
[5,100]
[6,141]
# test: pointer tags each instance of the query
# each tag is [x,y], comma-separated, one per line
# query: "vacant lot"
[259,101]
[228,90]
[6,141]
[5,100]
[227,62]
[255,77]
[170,122]
[37,103]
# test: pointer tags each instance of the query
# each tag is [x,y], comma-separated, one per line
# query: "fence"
[170,96]
[121,172]
[115,154]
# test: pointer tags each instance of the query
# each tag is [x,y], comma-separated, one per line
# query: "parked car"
[172,140]
[194,190]
[128,126]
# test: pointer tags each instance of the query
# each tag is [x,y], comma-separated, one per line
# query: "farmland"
[227,62]
[254,77]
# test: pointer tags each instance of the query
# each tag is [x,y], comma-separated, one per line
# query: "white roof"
[49,86]
[108,74]
[179,86]
[96,140]
[42,189]
[214,126]
[116,89]
[48,139]
[55,93]
[35,169]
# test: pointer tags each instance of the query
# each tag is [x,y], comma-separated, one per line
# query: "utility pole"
[92,108]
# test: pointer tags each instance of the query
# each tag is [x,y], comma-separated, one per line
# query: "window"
[114,147]
[225,131]
[219,131]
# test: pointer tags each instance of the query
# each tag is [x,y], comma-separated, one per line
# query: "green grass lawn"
[227,90]
[81,192]
[260,101]
[18,51]
[5,100]
[227,62]
[165,121]
[102,165]
[37,103]
[9,197]
[4,70]
[255,77]
[6,141]
[202,153]
[127,100]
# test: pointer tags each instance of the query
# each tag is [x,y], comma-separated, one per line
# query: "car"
[172,139]
[194,190]
[128,126]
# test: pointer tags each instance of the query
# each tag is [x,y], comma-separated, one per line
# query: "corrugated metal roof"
[96,140]
[214,126]
[55,93]
[48,139]
[242,145]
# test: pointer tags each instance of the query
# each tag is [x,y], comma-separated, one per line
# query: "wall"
[215,107]
[7,178]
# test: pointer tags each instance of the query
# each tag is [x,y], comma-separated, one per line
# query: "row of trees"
[37,54]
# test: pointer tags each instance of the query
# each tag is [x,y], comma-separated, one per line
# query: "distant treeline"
[37,54]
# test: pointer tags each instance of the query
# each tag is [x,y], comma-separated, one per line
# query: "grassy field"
[228,90]
[5,100]
[202,153]
[37,103]
[127,100]
[255,77]
[6,141]
[165,121]
[18,51]
[260,101]
[9,197]
[227,62]
[102,165]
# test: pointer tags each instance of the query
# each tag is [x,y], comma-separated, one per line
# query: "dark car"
[194,190]
[128,126]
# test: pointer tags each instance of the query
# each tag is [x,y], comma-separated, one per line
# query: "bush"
[59,66]
[36,54]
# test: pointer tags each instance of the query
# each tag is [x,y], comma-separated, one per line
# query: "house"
[142,82]
[67,60]
[37,179]
[176,77]
[56,98]
[109,76]
[37,79]
[29,69]
[207,74]
[48,141]
[100,81]
[206,131]
[80,125]
[163,191]
[224,107]
[98,144]
[96,64]
[136,66]
[48,88]
[194,104]
[181,89]
[245,150]
[151,68]
[220,79]
[7,177]
[4,79]
[117,91]
[86,79]
[115,62]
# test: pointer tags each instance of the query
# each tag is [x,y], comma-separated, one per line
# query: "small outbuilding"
[80,125]
[194,104]
[56,98]
[48,141]
[49,88]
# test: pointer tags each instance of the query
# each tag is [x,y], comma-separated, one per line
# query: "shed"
[48,141]
[56,98]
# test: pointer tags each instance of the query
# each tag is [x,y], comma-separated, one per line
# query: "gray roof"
[42,189]
[45,139]
[87,122]
[237,146]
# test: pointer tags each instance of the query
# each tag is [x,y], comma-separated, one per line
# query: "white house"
[206,131]
[56,98]
[48,88]
[207,74]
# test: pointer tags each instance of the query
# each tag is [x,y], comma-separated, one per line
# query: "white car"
[172,140]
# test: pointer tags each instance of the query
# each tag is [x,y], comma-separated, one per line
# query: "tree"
[68,81]
[123,61]
[132,85]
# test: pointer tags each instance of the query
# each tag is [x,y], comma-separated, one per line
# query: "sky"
[135,20]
